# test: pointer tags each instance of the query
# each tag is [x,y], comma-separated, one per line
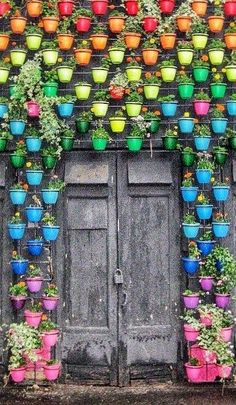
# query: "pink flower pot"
[191,301]
[208,356]
[18,302]
[34,284]
[224,371]
[33,318]
[222,300]
[193,372]
[52,372]
[50,338]
[18,374]
[206,283]
[201,107]
[226,334]
[50,303]
[190,333]
[33,109]
[206,319]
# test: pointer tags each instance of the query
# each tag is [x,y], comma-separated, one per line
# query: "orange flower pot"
[50,24]
[183,23]
[167,41]
[116,24]
[83,56]
[230,40]
[65,41]
[216,23]
[150,56]
[199,7]
[99,41]
[34,8]
[18,24]
[4,41]
[132,40]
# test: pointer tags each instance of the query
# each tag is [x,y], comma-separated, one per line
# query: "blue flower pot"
[191,230]
[34,214]
[221,193]
[202,143]
[35,247]
[231,107]
[65,110]
[219,265]
[169,108]
[18,197]
[203,176]
[220,229]
[189,194]
[49,196]
[205,246]
[204,212]
[34,177]
[190,265]
[50,232]
[186,125]
[17,127]
[219,125]
[3,109]
[33,144]
[16,231]
[19,267]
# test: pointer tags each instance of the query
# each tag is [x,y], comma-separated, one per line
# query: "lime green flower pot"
[99,75]
[82,126]
[99,144]
[200,74]
[185,56]
[3,144]
[18,57]
[49,162]
[185,91]
[218,90]
[199,41]
[17,161]
[4,74]
[67,143]
[231,73]
[33,41]
[169,142]
[134,144]
[220,157]
[117,124]
[116,55]
[50,89]
[50,56]
[133,109]
[168,73]
[232,142]
[65,74]
[133,73]
[216,56]
[82,91]
[188,158]
[151,91]
[100,108]
[154,125]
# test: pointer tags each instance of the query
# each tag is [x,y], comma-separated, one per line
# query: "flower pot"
[65,110]
[18,302]
[82,126]
[200,74]
[3,144]
[50,303]
[188,158]
[199,7]
[34,214]
[17,57]
[191,301]
[50,338]
[131,7]
[132,40]
[117,124]
[49,196]
[206,320]
[65,7]
[222,300]
[18,374]
[230,8]
[193,372]
[167,6]
[201,107]
[83,56]
[231,73]
[185,56]
[151,91]
[50,56]
[220,229]
[168,73]
[33,144]
[133,109]
[82,91]
[99,41]
[100,108]
[33,109]
[205,246]
[183,23]
[83,24]
[224,371]
[50,24]
[134,144]
[185,91]
[4,8]
[116,55]
[219,125]
[133,73]
[206,283]
[150,56]
[190,333]
[189,194]
[52,372]
[190,265]
[116,24]
[230,40]
[202,143]
[17,161]
[169,108]
[154,125]
[218,90]
[34,8]
[186,125]
[17,197]
[49,162]
[18,24]
[32,318]
[99,7]
[117,92]
[169,142]
[216,56]
[34,284]
[35,247]
[50,233]
[203,176]
[4,74]
[149,23]
[67,143]
[221,193]
[19,267]
[216,23]
[226,334]
[4,41]
[167,41]
[16,231]
[199,41]
[99,144]
[231,107]
[220,157]
[65,41]
[34,177]
[17,127]
[65,74]
[33,41]
[99,75]
[191,230]
[50,89]
[232,142]
[204,212]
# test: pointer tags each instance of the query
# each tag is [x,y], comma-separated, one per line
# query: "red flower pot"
[117,93]
[33,109]
[65,7]
[83,24]
[230,8]
[99,7]
[4,8]
[149,24]
[167,6]
[50,338]
[18,374]
[131,7]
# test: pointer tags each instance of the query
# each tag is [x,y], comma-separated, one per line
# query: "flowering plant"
[171,131]
[47,325]
[207,235]
[51,290]
[184,45]
[16,219]
[20,149]
[150,43]
[183,78]
[18,289]
[204,162]
[220,217]
[190,319]
[36,307]
[202,130]
[16,256]
[193,251]
[48,219]
[217,77]
[189,292]
[201,95]
[33,165]
[202,62]
[20,186]
[216,43]
[188,180]
[202,199]
[151,79]
[34,271]
[218,111]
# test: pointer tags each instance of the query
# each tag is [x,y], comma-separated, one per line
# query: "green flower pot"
[154,125]
[12,89]
[199,41]
[187,158]
[99,144]
[134,144]
[200,74]
[216,56]
[133,109]
[185,91]
[218,90]
[18,57]
[232,142]
[50,89]
[3,144]
[49,162]
[168,73]
[231,73]
[151,91]
[82,126]
[4,74]
[169,142]
[116,55]
[50,56]
[117,124]
[185,56]
[220,158]
[82,91]
[33,41]
[67,143]
[65,74]
[99,75]
[17,161]
[133,73]
[100,108]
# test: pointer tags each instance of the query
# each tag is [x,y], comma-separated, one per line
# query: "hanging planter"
[99,74]
[199,7]
[50,89]
[65,73]
[52,371]
[34,284]
[19,266]
[3,144]
[131,7]
[18,374]
[50,56]
[16,231]
[224,370]
[169,108]
[134,144]
[17,127]
[99,7]
[82,90]
[203,176]
[219,125]
[220,229]
[99,41]
[167,6]
[35,247]
[4,74]
[65,110]
[230,40]
[230,8]
[82,125]
[183,23]
[185,56]
[33,144]
[67,143]
[4,41]
[191,301]
[189,194]
[216,23]
[169,142]
[50,24]
[100,108]
[50,232]
[17,24]
[150,56]
[202,143]
[222,300]
[199,41]
[50,338]
[221,192]
[204,211]
[186,125]
[133,73]
[226,333]
[5,7]
[190,265]
[34,8]
[231,73]
[205,247]
[65,41]
[18,302]
[220,155]
[168,73]
[49,161]
[231,107]
[33,109]
[218,90]
[132,40]
[17,161]
[34,177]
[18,57]
[185,90]
[190,334]
[149,23]
[201,107]
[117,124]
[83,23]
[33,41]
[116,23]
[17,196]
[34,214]
[151,91]
[216,56]
[116,55]
[50,303]
[167,40]
[83,56]
[200,74]
[32,318]
[154,124]
[191,230]
[65,7]
[188,157]
[49,196]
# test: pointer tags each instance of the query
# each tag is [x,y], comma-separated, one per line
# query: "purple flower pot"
[222,300]
[50,303]
[18,302]
[206,283]
[191,301]
[34,284]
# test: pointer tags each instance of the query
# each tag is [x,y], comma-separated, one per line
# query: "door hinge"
[118,277]
[118,225]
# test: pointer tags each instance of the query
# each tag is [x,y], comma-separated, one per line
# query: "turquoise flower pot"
[17,127]
[18,197]
[33,144]
[49,196]
[34,214]
[34,177]
[50,233]
[202,143]
[65,110]
[169,108]
[186,125]
[16,231]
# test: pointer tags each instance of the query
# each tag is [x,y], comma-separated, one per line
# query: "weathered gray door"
[120,211]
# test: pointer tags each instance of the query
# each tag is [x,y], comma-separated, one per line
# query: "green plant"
[48,219]
[16,256]
[50,76]
[134,97]
[183,78]
[189,218]
[217,113]
[36,307]
[132,24]
[223,182]
[193,251]
[207,338]
[216,43]
[4,64]
[19,186]
[190,319]
[167,63]
[202,130]
[31,132]
[167,99]
[208,269]
[138,128]
[69,62]
[99,28]
[219,149]
[217,77]
[201,63]
[100,133]
[119,79]
[17,111]
[4,100]
[67,133]
[47,326]
[105,62]
[207,235]
[151,115]
[201,95]
[34,271]
[202,199]
[232,97]
[204,162]
[148,8]
[81,12]
[193,361]
[64,26]
[33,29]
[16,219]
[151,79]
[51,290]
[51,151]
[56,184]
[220,217]
[225,355]
[189,292]
[188,180]
[83,44]
[199,26]
[171,132]
[50,8]
[5,135]
[117,13]
[182,45]
[167,25]
[67,98]
[231,28]
[230,132]
[85,116]
[101,95]
[52,44]
[150,43]
[118,113]
[118,43]
[18,289]
[20,149]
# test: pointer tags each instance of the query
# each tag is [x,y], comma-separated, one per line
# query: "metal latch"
[118,277]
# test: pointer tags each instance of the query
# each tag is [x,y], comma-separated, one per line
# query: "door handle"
[125,299]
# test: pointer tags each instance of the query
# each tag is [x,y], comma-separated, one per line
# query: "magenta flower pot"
[32,318]
[50,303]
[201,107]
[50,338]
[224,371]
[18,302]
[18,374]
[52,372]
[206,320]
[193,372]
[206,283]
[226,334]
[222,300]
[34,284]
[191,301]
[190,333]
[208,356]
[33,109]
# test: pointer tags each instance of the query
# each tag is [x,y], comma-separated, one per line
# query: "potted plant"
[82,90]
[190,299]
[205,168]
[82,18]
[220,154]
[18,264]
[83,121]
[188,190]
[201,103]
[217,85]
[150,51]
[200,7]
[50,156]
[34,211]
[99,38]
[184,15]
[50,297]
[151,86]
[65,7]
[4,71]
[18,192]
[191,326]
[185,53]
[34,173]
[222,293]
[18,156]
[17,22]
[116,21]
[229,8]
[35,246]
[203,208]
[133,103]
[83,52]
[5,136]
[34,314]
[16,227]
[131,6]
[18,294]
[225,359]
[186,123]
[221,189]
[118,85]
[193,369]
[132,32]
[65,37]
[65,105]
[137,132]
[50,19]
[231,135]
[34,279]
[216,51]
[207,274]
[170,138]
[117,51]
[230,68]
[18,56]
[201,69]
[191,262]
[50,83]
[117,121]
[188,156]
[67,138]
[65,70]
[50,52]
[100,138]
[216,20]
[50,192]
[17,116]
[34,8]
[220,225]
[168,70]
[133,70]
[99,7]
[32,139]
[231,105]
[199,31]
[53,367]
[190,226]
[33,37]
[166,30]
[185,85]
[150,15]
[49,332]
[152,119]
[202,137]
[100,73]
[168,105]
[230,35]
[100,103]
[218,120]
[206,243]
[225,321]
[49,228]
